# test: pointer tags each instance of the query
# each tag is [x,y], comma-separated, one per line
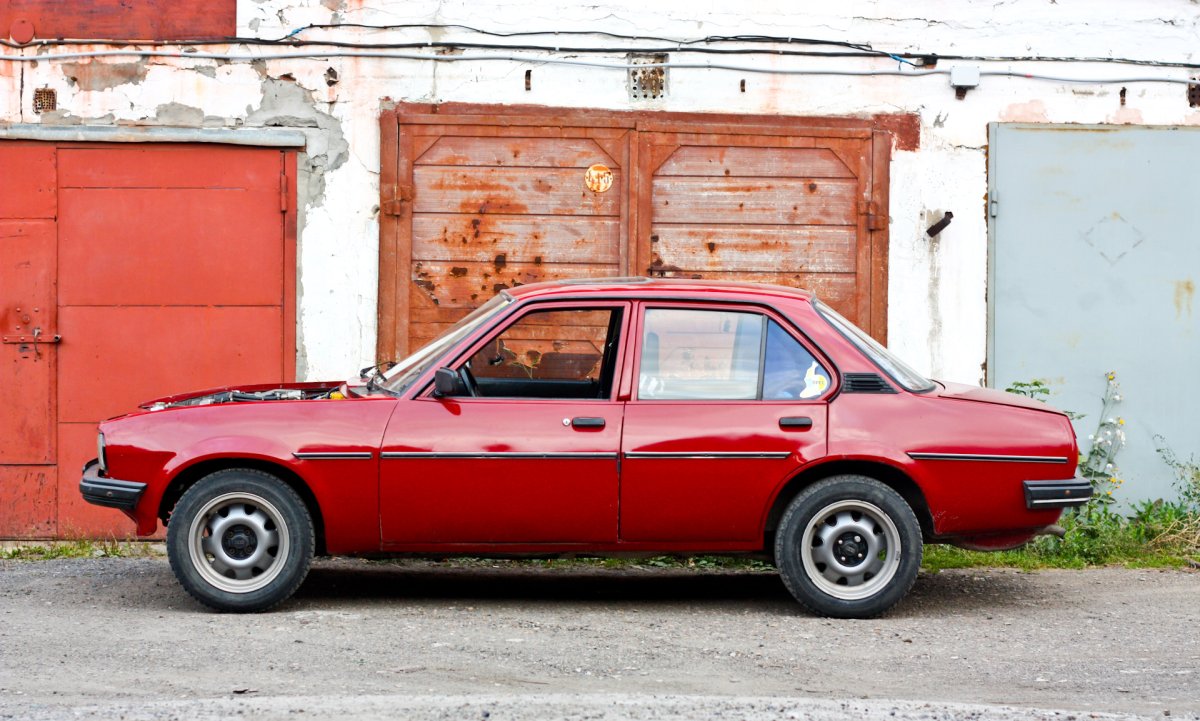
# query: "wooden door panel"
[749,248]
[533,239]
[476,190]
[781,201]
[456,151]
[735,161]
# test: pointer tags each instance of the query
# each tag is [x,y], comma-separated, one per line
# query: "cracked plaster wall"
[937,305]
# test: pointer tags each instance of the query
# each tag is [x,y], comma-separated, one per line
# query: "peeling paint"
[96,75]
[1126,115]
[286,104]
[1033,111]
[178,114]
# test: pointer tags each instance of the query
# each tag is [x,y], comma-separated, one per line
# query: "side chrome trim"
[714,454]
[985,457]
[334,455]
[499,456]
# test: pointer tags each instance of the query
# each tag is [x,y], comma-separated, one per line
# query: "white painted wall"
[937,298]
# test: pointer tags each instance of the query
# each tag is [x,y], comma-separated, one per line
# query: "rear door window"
[696,354]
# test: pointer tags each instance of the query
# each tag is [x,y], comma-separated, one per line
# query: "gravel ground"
[109,638]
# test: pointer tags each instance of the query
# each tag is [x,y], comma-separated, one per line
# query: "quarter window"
[690,354]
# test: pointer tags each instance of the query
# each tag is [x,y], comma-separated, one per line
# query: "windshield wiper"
[373,374]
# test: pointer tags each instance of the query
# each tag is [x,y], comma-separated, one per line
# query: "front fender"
[159,449]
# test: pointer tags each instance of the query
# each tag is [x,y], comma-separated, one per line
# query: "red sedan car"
[599,418]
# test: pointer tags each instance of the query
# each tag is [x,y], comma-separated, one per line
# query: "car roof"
[652,288]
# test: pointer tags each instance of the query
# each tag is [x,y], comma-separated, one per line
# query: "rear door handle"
[802,423]
[584,422]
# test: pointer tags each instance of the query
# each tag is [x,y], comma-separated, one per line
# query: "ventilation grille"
[865,383]
[45,100]
[647,83]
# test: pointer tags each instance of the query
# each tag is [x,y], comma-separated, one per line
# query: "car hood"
[964,392]
[251,392]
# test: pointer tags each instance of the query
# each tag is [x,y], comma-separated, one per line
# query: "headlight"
[100,453]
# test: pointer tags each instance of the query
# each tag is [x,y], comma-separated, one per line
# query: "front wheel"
[240,540]
[848,547]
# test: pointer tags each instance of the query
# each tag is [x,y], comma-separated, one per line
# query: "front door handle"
[801,423]
[584,422]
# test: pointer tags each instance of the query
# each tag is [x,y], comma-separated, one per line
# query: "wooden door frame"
[882,132]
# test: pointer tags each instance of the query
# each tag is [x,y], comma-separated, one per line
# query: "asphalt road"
[112,638]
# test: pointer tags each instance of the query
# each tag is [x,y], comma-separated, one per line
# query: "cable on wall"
[426,57]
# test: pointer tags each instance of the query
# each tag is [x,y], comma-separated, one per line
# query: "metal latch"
[34,339]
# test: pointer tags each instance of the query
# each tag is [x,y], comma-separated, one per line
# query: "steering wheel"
[469,380]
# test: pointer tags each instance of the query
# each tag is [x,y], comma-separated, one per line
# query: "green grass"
[79,549]
[1153,536]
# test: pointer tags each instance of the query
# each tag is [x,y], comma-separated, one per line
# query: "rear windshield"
[882,357]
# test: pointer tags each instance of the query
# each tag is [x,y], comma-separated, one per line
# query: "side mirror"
[448,383]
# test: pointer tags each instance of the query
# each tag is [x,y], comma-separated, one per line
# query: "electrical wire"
[311,55]
[676,45]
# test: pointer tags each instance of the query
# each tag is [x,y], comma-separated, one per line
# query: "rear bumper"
[1057,494]
[110,492]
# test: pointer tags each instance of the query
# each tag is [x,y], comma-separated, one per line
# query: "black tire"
[866,521]
[264,540]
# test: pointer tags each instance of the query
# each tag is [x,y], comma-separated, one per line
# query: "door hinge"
[875,219]
[993,207]
[401,193]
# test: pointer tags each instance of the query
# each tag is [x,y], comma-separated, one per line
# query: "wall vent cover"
[649,83]
[45,100]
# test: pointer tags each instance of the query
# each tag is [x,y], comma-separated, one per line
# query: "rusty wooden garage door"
[474,201]
[162,269]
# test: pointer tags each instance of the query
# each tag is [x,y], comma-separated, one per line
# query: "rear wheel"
[240,540]
[848,547]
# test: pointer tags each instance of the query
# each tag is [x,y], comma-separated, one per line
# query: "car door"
[530,454]
[729,402]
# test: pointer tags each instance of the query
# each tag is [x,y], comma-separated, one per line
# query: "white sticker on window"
[814,382]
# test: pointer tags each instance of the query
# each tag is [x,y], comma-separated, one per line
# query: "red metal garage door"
[162,268]
[475,200]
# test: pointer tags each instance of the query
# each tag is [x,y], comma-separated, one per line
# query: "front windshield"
[398,378]
[882,357]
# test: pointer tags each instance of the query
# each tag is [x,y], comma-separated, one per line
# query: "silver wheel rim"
[851,550]
[238,542]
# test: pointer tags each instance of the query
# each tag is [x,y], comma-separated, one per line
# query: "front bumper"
[110,492]
[1057,494]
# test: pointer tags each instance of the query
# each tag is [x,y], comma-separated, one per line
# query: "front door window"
[566,354]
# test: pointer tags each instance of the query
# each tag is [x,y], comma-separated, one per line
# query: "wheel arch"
[188,476]
[884,472]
